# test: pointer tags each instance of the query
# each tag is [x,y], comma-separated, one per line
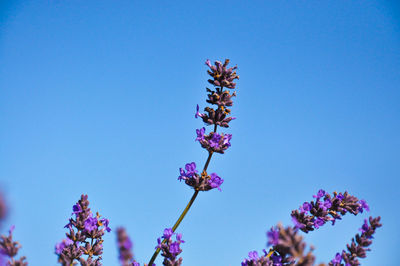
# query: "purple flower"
[319,222]
[215,181]
[90,224]
[337,259]
[340,196]
[326,204]
[214,141]
[208,63]
[200,134]
[253,255]
[191,169]
[320,194]
[105,222]
[179,238]
[170,249]
[198,114]
[60,246]
[174,248]
[273,237]
[183,175]
[364,228]
[297,224]
[305,207]
[76,209]
[363,205]
[167,233]
[227,138]
[276,259]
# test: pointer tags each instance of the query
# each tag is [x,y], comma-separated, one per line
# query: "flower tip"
[12,229]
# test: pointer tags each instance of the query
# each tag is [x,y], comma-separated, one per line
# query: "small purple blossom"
[167,233]
[170,249]
[319,222]
[226,140]
[215,181]
[191,168]
[363,206]
[76,209]
[320,194]
[364,228]
[305,207]
[273,237]
[276,259]
[105,223]
[174,248]
[198,114]
[326,204]
[297,224]
[90,224]
[60,246]
[189,173]
[337,259]
[214,141]
[200,134]
[253,255]
[340,196]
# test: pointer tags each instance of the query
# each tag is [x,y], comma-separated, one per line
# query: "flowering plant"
[84,244]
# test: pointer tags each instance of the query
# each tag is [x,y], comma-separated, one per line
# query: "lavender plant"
[287,246]
[84,244]
[84,240]
[124,244]
[10,248]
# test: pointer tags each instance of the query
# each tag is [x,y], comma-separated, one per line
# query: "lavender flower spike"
[84,243]
[10,248]
[170,249]
[124,247]
[314,214]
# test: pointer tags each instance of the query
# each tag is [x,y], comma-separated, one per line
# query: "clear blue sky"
[98,97]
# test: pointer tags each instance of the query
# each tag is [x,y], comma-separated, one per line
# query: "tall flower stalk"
[221,77]
[9,248]
[84,241]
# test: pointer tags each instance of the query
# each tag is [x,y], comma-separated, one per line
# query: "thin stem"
[178,222]
[183,214]
[153,258]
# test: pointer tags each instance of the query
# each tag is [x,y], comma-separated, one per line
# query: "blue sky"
[98,97]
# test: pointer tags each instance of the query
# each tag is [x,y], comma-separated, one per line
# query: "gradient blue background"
[98,97]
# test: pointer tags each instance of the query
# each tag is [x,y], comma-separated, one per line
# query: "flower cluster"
[170,249]
[288,248]
[10,248]
[203,182]
[124,247]
[312,215]
[213,142]
[222,76]
[265,260]
[84,237]
[359,244]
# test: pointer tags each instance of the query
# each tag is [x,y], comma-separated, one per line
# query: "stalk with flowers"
[84,244]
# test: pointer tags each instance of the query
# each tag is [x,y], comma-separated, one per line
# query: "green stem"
[183,214]
[178,222]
